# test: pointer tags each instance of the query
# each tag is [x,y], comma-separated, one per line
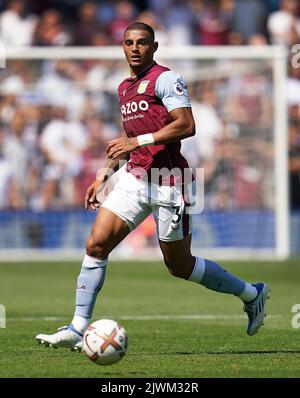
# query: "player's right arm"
[112,165]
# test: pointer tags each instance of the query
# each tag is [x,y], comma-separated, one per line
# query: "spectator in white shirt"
[16,28]
[283,25]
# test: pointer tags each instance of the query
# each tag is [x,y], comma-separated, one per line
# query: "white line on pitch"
[143,317]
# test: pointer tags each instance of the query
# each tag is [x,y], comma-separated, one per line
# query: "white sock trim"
[198,271]
[249,293]
[80,323]
[92,262]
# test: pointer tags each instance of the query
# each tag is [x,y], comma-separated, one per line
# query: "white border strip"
[281,159]
[26,256]
[178,52]
[203,317]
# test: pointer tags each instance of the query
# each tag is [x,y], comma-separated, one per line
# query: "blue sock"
[89,283]
[214,277]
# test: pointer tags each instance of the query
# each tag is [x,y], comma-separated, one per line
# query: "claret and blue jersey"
[145,102]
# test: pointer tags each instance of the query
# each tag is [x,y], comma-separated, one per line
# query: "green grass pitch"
[176,328]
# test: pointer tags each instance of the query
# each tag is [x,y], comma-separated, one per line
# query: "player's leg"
[107,232]
[120,212]
[175,244]
[181,263]
[178,257]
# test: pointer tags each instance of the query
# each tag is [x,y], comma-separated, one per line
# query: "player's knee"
[175,269]
[180,267]
[97,247]
[167,262]
[179,273]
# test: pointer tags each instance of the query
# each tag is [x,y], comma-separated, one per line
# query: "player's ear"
[155,46]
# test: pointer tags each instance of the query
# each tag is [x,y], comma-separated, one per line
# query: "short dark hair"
[141,26]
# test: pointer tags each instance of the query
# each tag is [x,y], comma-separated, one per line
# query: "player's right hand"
[90,200]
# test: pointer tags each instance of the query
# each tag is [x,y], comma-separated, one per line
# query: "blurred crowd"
[57,116]
[55,120]
[102,22]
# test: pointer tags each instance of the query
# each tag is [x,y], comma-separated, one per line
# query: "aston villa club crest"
[143,86]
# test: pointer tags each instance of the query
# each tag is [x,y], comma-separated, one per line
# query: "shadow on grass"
[125,373]
[254,352]
[225,352]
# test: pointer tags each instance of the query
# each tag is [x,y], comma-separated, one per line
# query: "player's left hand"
[121,146]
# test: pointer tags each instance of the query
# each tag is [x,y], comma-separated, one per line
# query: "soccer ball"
[105,342]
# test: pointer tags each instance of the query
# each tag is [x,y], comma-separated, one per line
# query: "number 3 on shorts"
[176,217]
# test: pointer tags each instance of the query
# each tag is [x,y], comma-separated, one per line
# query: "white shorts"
[133,200]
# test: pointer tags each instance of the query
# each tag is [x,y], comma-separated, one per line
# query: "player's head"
[139,45]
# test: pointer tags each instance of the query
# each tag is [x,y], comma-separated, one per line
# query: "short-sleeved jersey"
[145,102]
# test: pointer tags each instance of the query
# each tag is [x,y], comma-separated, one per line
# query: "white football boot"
[255,309]
[67,336]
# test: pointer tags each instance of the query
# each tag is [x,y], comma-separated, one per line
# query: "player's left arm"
[172,91]
[182,126]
